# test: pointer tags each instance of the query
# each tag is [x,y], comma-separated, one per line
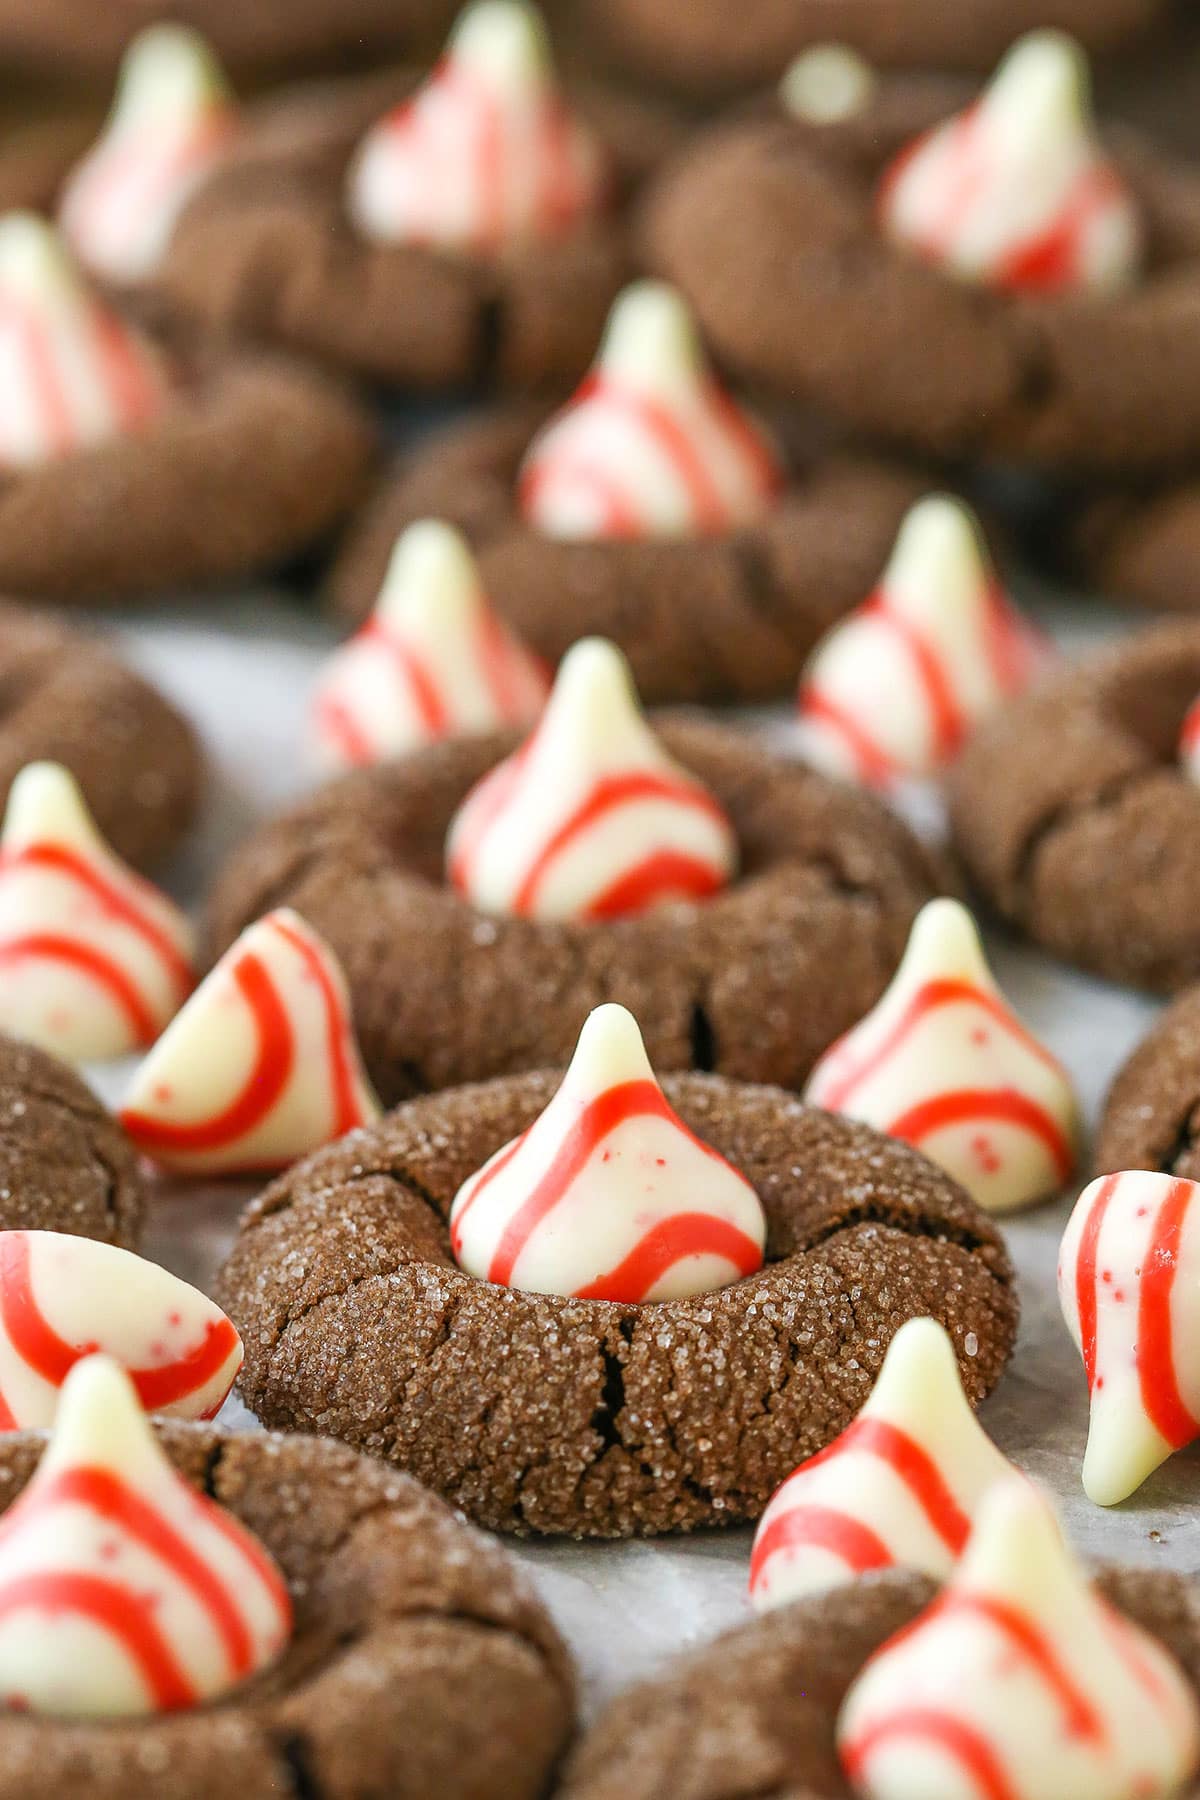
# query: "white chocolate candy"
[434,660]
[62,1298]
[261,1066]
[944,1063]
[826,84]
[1129,1286]
[590,819]
[1020,1683]
[895,689]
[608,1195]
[651,446]
[174,116]
[124,1591]
[488,153]
[1189,743]
[1017,191]
[94,961]
[898,1489]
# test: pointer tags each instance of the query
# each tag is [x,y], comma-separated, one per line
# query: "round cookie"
[769,1694]
[64,1162]
[1151,1116]
[68,699]
[536,1413]
[421,1663]
[753,983]
[769,226]
[704,619]
[1140,546]
[1073,815]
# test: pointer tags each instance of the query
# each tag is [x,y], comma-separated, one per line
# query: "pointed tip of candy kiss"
[945,941]
[169,72]
[34,261]
[100,1421]
[828,83]
[939,559]
[1123,1447]
[46,801]
[1046,79]
[920,1366]
[505,41]
[431,571]
[1017,1546]
[610,1049]
[651,343]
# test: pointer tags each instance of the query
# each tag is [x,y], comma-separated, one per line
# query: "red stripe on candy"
[431,708]
[1086,1291]
[668,1242]
[1157,1371]
[116,1610]
[820,1528]
[667,875]
[47,947]
[971,1104]
[108,896]
[346,1112]
[959,1741]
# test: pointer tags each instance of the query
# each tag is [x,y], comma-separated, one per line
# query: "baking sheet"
[243,669]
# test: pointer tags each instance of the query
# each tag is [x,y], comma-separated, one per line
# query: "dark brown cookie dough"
[1151,1116]
[729,618]
[769,227]
[1140,546]
[267,251]
[540,1414]
[753,983]
[64,1162]
[421,1663]
[253,459]
[1074,817]
[65,698]
[754,1714]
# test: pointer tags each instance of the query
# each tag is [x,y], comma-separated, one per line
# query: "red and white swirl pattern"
[1189,742]
[123,1590]
[898,1489]
[434,661]
[1129,1286]
[1016,192]
[488,153]
[651,446]
[895,690]
[94,961]
[608,1195]
[590,819]
[1020,1683]
[62,1298]
[944,1063]
[262,1064]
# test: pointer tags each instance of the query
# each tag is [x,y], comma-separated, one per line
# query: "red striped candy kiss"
[1016,192]
[944,1063]
[1019,1683]
[1189,742]
[1129,1287]
[487,153]
[894,691]
[261,1066]
[173,118]
[123,1590]
[63,1298]
[651,446]
[94,961]
[898,1488]
[434,661]
[608,1195]
[590,819]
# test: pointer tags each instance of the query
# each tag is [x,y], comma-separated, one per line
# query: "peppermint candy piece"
[1016,192]
[608,1195]
[898,1489]
[94,961]
[1020,1683]
[434,660]
[944,1063]
[651,446]
[71,373]
[1128,1281]
[123,1591]
[1189,742]
[590,819]
[895,689]
[261,1066]
[63,1298]
[174,116]
[488,153]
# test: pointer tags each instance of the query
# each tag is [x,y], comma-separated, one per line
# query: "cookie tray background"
[243,668]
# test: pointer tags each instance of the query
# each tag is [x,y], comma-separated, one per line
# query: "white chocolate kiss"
[898,1488]
[828,83]
[608,1195]
[944,1063]
[1020,1680]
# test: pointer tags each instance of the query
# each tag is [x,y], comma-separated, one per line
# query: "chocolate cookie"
[540,1414]
[1073,815]
[769,226]
[768,1695]
[64,1162]
[421,1663]
[1151,1116]
[68,699]
[1140,545]
[700,620]
[752,983]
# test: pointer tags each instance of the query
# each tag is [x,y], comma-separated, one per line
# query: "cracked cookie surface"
[540,1414]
